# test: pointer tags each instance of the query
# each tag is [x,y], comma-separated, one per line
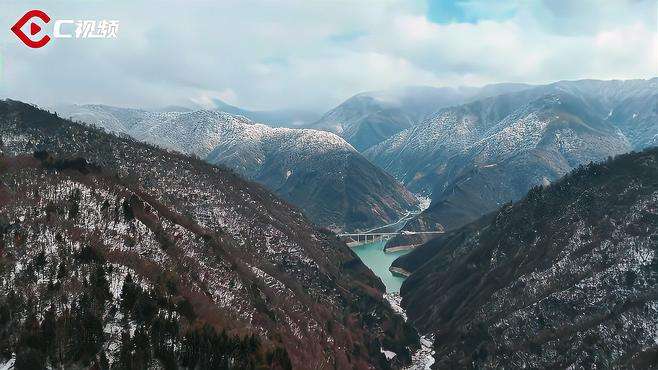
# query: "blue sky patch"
[469,11]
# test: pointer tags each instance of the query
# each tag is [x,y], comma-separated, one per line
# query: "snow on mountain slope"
[521,140]
[414,154]
[205,246]
[312,169]
[554,122]
[564,278]
[367,119]
[117,120]
[411,154]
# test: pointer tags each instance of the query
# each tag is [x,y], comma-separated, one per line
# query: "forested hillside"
[113,251]
[566,277]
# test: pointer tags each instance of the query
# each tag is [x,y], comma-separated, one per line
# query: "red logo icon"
[34,28]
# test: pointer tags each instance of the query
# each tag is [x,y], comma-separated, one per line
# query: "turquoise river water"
[372,254]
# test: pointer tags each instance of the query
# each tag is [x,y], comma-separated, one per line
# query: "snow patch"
[388,354]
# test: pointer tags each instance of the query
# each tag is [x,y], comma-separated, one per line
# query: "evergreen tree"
[99,285]
[125,352]
[61,271]
[74,204]
[29,359]
[49,334]
[142,349]
[129,294]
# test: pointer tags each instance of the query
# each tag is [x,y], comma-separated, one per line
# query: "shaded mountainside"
[476,157]
[566,277]
[135,254]
[426,250]
[315,170]
[363,121]
[367,119]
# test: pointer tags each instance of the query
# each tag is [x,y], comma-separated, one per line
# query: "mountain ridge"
[290,118]
[368,118]
[560,278]
[475,157]
[248,261]
[312,169]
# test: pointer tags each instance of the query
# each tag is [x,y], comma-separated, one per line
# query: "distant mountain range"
[315,170]
[475,157]
[369,118]
[274,118]
[564,278]
[115,253]
[145,235]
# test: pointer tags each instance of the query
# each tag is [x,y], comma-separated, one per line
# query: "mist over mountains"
[530,225]
[366,119]
[329,185]
[273,118]
[475,157]
[469,149]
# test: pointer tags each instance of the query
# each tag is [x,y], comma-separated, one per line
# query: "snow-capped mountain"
[275,118]
[315,170]
[473,158]
[369,118]
[564,278]
[115,252]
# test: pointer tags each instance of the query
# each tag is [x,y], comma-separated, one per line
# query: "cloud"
[302,54]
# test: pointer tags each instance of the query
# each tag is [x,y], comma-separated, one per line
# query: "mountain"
[274,118]
[565,278]
[475,157]
[369,118]
[315,170]
[115,252]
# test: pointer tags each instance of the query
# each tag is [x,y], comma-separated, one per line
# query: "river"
[372,254]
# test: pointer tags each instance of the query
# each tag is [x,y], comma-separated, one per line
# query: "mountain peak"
[312,169]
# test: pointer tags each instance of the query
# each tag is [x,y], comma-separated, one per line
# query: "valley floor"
[379,261]
[423,359]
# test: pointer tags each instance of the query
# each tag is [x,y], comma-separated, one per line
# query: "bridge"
[354,239]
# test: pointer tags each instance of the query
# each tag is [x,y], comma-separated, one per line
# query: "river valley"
[372,254]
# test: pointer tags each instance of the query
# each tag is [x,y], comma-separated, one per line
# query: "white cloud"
[315,54]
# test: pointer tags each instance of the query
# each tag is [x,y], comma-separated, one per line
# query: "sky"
[314,54]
